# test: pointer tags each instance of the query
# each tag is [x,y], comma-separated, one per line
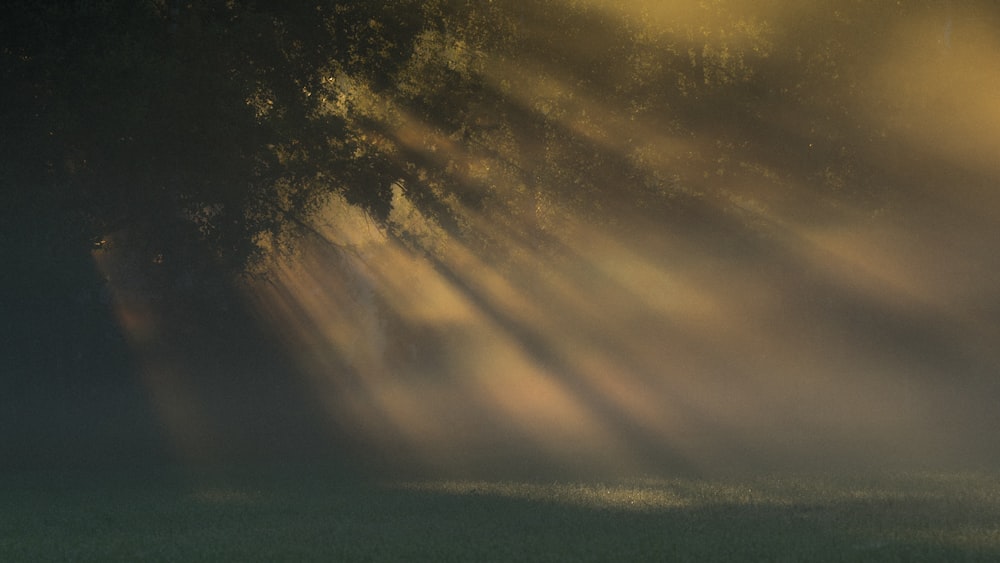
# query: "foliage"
[205,134]
[210,128]
[183,129]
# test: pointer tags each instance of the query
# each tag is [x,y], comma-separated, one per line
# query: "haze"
[651,237]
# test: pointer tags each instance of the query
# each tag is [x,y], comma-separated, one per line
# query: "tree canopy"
[213,127]
[577,174]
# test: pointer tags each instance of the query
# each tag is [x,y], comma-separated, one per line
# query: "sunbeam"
[176,401]
[743,246]
[745,332]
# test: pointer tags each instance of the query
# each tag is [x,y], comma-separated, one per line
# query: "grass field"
[288,515]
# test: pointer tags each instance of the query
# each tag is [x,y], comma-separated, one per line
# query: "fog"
[687,237]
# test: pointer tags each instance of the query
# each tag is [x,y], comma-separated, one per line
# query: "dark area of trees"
[199,138]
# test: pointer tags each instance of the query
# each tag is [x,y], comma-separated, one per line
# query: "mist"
[635,238]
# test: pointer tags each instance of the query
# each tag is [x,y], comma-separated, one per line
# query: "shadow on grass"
[280,514]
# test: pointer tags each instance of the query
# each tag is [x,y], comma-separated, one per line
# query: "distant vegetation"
[691,231]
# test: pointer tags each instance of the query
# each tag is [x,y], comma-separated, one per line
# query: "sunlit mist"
[618,358]
[671,256]
[167,379]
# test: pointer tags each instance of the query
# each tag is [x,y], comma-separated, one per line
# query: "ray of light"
[605,348]
[608,360]
[628,343]
[176,401]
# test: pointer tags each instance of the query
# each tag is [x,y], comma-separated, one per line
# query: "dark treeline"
[200,138]
[186,132]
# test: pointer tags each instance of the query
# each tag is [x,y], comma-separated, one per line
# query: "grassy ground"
[288,515]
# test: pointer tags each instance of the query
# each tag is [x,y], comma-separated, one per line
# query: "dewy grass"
[290,516]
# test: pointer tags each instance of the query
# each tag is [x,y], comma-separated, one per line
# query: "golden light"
[777,334]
